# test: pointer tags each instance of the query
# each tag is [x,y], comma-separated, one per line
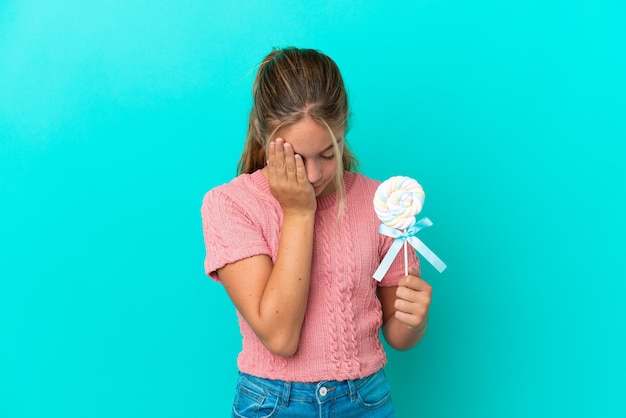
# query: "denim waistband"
[319,392]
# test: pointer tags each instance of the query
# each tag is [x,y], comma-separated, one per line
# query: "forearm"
[285,296]
[401,336]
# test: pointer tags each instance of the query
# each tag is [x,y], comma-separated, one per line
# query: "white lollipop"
[397,201]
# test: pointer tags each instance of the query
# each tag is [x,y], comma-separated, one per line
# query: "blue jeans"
[367,397]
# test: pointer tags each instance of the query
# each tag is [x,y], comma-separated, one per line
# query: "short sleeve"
[230,234]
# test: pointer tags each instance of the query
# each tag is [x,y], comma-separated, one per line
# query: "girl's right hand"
[288,181]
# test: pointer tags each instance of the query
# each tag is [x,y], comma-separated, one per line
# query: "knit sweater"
[339,339]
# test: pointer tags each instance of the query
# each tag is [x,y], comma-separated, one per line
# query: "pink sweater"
[340,335]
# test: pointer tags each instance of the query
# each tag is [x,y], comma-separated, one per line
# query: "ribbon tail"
[427,254]
[389,257]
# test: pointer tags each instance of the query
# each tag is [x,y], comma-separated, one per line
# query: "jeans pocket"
[252,401]
[374,392]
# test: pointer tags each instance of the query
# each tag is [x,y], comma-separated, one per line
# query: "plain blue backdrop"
[117,116]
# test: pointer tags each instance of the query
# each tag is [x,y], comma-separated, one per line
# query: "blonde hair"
[291,84]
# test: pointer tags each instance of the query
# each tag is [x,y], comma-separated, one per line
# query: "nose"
[313,172]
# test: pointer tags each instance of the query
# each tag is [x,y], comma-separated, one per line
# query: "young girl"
[294,240]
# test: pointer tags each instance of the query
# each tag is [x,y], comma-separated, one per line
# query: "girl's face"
[315,145]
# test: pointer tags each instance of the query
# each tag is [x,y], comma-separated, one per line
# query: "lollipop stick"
[406,260]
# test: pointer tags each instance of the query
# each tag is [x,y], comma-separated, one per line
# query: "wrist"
[299,214]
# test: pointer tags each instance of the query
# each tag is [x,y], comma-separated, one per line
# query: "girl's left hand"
[413,297]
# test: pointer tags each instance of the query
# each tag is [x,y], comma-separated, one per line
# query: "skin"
[273,298]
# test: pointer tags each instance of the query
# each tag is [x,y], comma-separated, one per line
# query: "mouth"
[321,189]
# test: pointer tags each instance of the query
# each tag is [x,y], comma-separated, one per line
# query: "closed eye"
[328,157]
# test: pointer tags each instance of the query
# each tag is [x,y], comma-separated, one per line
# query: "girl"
[294,240]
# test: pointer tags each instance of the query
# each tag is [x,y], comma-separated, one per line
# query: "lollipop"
[397,201]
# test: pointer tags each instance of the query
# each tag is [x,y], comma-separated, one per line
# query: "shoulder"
[239,220]
[360,191]
[358,184]
[360,179]
[237,185]
[245,191]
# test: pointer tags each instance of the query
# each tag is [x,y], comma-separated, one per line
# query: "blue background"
[117,116]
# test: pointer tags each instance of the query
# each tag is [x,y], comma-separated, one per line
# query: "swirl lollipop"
[397,201]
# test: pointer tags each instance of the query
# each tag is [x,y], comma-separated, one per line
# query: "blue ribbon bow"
[408,235]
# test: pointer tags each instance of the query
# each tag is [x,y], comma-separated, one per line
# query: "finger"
[412,308]
[300,169]
[410,320]
[415,283]
[290,162]
[415,272]
[413,295]
[279,159]
[412,282]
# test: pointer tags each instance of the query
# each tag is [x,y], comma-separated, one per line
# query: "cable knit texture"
[340,334]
